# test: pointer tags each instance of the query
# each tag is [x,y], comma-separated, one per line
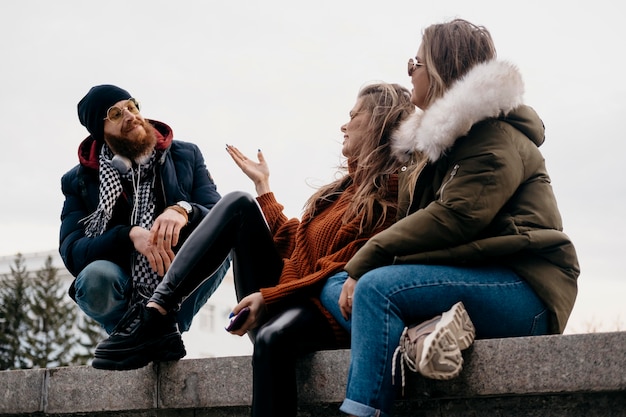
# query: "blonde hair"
[370,169]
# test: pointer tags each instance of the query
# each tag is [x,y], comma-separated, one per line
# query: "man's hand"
[157,243]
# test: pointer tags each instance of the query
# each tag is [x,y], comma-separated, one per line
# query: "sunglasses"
[115,114]
[413,64]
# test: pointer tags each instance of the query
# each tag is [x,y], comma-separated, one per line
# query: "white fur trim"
[487,90]
[403,138]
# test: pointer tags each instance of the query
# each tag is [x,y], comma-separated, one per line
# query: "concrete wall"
[574,375]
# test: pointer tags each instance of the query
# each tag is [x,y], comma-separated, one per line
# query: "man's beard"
[134,149]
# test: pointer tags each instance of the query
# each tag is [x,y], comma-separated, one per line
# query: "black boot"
[143,335]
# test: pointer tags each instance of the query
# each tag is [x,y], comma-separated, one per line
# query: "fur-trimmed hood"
[490,89]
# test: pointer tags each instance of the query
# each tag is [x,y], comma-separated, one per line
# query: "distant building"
[206,337]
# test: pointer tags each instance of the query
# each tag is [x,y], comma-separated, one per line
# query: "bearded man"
[130,203]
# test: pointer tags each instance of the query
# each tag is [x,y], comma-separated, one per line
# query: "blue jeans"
[385,300]
[103,292]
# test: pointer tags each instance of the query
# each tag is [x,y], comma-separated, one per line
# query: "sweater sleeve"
[283,229]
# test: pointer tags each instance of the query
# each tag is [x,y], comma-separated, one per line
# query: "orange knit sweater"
[314,249]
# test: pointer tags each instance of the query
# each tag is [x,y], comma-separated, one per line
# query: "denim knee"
[103,292]
[329,298]
[101,280]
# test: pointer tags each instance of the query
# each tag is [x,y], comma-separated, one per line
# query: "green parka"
[483,195]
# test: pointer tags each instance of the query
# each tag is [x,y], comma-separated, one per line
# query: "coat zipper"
[452,174]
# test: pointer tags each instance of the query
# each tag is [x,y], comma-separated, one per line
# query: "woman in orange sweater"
[279,264]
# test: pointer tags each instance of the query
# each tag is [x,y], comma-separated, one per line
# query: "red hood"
[89,149]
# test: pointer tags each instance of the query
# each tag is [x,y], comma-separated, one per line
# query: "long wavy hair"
[388,105]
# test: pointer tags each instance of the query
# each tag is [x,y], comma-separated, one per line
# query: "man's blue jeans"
[103,292]
[387,299]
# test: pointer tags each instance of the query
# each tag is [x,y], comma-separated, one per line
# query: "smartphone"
[237,321]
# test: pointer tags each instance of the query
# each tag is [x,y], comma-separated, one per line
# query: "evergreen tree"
[4,339]
[39,326]
[53,335]
[14,297]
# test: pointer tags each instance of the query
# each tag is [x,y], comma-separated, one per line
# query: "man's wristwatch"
[185,206]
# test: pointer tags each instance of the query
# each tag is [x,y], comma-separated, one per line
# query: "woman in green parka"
[479,235]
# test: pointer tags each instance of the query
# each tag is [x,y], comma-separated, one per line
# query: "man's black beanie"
[92,109]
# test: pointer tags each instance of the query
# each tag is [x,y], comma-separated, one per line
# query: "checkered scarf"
[145,279]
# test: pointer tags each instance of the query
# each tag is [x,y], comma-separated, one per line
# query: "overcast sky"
[282,76]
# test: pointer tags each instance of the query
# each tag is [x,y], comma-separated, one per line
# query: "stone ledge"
[574,375]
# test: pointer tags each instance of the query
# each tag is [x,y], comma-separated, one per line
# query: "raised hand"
[258,172]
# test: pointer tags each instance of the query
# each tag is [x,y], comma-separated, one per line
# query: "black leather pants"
[279,343]
[236,226]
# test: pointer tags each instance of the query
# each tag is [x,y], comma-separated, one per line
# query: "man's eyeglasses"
[413,64]
[115,114]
